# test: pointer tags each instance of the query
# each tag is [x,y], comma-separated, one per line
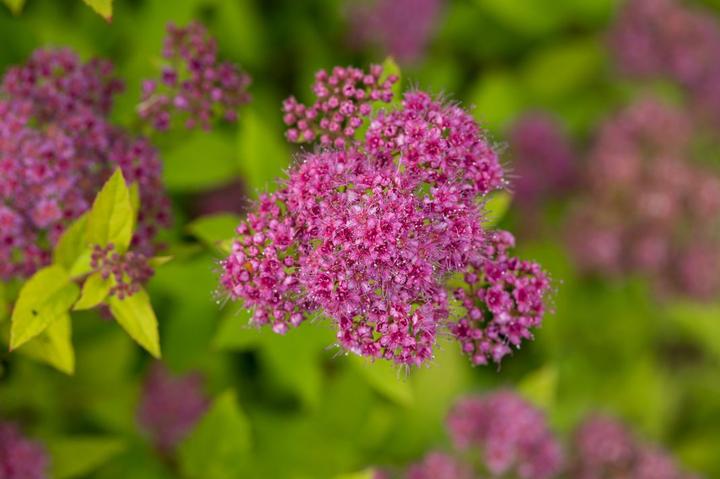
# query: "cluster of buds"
[57,148]
[128,272]
[170,406]
[650,208]
[543,160]
[368,235]
[344,100]
[20,458]
[605,449]
[401,27]
[500,435]
[665,38]
[195,87]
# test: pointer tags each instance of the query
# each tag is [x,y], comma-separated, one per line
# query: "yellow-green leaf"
[94,291]
[540,387]
[135,198]
[72,243]
[135,314]
[214,229]
[44,298]
[102,7]
[157,261]
[495,208]
[80,456]
[15,6]
[216,447]
[258,139]
[386,378]
[369,474]
[111,219]
[54,345]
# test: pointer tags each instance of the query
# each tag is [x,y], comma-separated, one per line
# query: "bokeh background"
[294,406]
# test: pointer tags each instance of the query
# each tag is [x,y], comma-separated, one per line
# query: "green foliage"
[78,456]
[386,378]
[94,291]
[44,299]
[200,161]
[112,217]
[496,206]
[214,229]
[54,345]
[219,447]
[15,6]
[136,316]
[102,7]
[262,153]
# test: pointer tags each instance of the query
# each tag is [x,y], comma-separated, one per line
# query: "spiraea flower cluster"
[504,299]
[127,271]
[667,38]
[344,99]
[368,236]
[509,433]
[57,148]
[500,435]
[20,458]
[170,406]
[605,449]
[195,87]
[650,209]
[403,28]
[543,159]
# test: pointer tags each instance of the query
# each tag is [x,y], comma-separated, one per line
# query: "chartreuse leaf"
[54,345]
[102,7]
[44,298]
[699,321]
[392,68]
[72,243]
[111,219]
[386,378]
[540,387]
[135,314]
[183,172]
[369,474]
[94,291]
[15,6]
[219,444]
[79,456]
[214,229]
[496,207]
[262,154]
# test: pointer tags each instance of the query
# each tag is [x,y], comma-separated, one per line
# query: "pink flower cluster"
[504,300]
[170,406]
[666,38]
[20,458]
[605,449]
[195,86]
[511,433]
[649,207]
[368,236]
[57,148]
[129,271]
[542,157]
[344,100]
[499,434]
[402,28]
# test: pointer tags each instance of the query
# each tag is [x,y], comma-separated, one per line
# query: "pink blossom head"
[437,465]
[368,233]
[57,148]
[543,159]
[504,301]
[605,449]
[170,406]
[510,434]
[195,87]
[21,458]
[403,28]
[645,194]
[344,99]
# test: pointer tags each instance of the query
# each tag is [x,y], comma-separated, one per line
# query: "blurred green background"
[291,407]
